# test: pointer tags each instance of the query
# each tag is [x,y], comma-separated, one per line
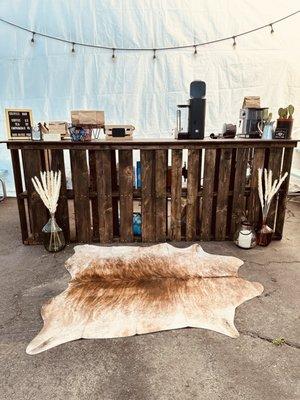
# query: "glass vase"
[264,235]
[53,236]
[137,223]
[245,236]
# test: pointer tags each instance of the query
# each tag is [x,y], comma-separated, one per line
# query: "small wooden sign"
[18,123]
[284,128]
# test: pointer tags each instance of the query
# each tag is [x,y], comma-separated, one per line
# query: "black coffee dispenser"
[196,112]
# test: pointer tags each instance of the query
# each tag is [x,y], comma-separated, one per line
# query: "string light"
[113,55]
[234,42]
[195,45]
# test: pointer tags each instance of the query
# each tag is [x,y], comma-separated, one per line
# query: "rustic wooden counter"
[221,187]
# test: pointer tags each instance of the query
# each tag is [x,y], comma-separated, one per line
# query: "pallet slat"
[148,197]
[176,195]
[62,213]
[253,204]
[80,179]
[19,189]
[208,189]
[282,199]
[126,196]
[114,187]
[274,164]
[239,200]
[192,191]
[93,188]
[161,165]
[104,190]
[222,195]
[38,214]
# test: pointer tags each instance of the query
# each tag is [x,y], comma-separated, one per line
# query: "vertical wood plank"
[45,159]
[192,194]
[176,195]
[19,189]
[93,188]
[239,200]
[38,214]
[80,179]
[274,164]
[114,188]
[222,193]
[104,195]
[62,213]
[208,190]
[283,192]
[161,165]
[126,196]
[200,190]
[253,204]
[148,195]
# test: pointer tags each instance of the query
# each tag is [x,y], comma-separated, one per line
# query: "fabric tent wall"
[136,89]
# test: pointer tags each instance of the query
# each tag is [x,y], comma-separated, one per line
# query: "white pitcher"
[267,132]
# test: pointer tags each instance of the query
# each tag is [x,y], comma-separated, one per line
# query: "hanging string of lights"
[153,50]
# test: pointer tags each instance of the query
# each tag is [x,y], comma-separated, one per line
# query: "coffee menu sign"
[18,123]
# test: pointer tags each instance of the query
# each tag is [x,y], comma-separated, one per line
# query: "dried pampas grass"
[48,188]
[269,190]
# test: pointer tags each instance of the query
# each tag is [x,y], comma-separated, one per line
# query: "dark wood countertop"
[137,143]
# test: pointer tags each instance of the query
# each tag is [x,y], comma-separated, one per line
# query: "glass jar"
[137,224]
[36,133]
[264,235]
[245,236]
[53,236]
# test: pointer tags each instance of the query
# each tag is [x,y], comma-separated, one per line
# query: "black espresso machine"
[196,112]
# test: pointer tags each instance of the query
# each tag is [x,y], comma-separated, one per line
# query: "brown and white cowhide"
[123,291]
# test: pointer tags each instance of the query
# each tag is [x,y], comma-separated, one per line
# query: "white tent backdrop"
[135,89]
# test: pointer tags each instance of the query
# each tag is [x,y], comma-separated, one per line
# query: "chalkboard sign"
[18,123]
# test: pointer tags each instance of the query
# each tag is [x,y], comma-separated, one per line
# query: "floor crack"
[256,335]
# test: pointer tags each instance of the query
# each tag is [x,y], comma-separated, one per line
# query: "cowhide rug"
[123,291]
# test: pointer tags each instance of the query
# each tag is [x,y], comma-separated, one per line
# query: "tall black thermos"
[197,110]
[196,106]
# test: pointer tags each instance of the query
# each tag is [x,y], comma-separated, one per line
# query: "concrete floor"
[181,364]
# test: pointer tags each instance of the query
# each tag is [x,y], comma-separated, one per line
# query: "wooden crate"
[221,187]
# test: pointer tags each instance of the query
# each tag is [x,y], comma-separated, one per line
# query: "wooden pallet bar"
[103,194]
